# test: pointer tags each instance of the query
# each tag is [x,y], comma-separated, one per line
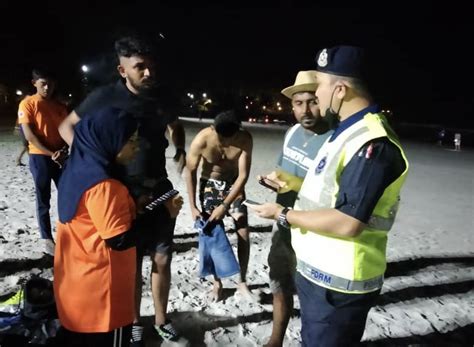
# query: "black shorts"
[156,228]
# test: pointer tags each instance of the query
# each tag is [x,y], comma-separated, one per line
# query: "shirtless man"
[225,150]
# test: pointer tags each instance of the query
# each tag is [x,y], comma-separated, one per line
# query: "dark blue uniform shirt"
[364,179]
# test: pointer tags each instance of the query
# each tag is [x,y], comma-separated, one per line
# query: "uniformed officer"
[346,205]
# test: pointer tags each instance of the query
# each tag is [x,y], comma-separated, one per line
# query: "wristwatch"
[282,218]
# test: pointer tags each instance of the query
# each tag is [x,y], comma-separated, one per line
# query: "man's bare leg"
[282,307]
[243,253]
[160,285]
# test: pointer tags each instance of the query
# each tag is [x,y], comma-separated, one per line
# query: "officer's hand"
[174,205]
[267,210]
[180,159]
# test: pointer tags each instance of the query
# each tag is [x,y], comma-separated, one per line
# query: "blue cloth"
[330,318]
[98,138]
[44,170]
[216,256]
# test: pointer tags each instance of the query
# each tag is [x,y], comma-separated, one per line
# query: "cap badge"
[323,58]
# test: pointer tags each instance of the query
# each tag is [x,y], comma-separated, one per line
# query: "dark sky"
[253,47]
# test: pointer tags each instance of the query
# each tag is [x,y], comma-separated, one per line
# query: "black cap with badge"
[348,61]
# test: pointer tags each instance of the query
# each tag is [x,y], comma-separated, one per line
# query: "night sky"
[245,47]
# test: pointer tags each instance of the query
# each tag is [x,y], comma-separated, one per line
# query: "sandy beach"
[427,298]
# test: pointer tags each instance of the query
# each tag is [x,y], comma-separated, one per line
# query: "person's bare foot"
[216,293]
[245,292]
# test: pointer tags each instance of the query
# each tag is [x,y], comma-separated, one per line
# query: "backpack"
[30,315]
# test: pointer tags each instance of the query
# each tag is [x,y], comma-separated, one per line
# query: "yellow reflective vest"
[346,264]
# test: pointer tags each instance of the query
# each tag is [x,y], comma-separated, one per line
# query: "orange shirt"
[44,117]
[94,285]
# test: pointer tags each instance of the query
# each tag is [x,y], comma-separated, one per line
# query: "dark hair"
[227,123]
[128,46]
[36,74]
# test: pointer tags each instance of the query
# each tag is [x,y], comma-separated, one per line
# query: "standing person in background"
[139,93]
[301,145]
[346,205]
[39,116]
[457,141]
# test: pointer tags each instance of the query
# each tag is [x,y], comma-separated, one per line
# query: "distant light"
[161,35]
[246,97]
[251,102]
[204,95]
[19,92]
[278,104]
[246,107]
[279,108]
[191,96]
[85,68]
[70,95]
[210,101]
[264,107]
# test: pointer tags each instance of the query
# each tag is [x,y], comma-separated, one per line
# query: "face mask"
[330,116]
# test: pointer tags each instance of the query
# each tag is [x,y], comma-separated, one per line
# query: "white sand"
[429,286]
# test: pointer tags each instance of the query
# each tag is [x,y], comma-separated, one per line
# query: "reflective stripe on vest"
[332,281]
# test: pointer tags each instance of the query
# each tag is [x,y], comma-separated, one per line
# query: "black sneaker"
[137,336]
[167,331]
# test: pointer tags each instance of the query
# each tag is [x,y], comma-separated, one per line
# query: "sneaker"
[137,336]
[167,331]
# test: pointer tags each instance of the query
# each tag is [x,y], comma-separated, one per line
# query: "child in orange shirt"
[95,258]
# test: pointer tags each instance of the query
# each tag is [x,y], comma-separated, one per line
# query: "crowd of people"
[338,182]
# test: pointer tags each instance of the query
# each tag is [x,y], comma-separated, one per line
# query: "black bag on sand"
[39,301]
[38,324]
